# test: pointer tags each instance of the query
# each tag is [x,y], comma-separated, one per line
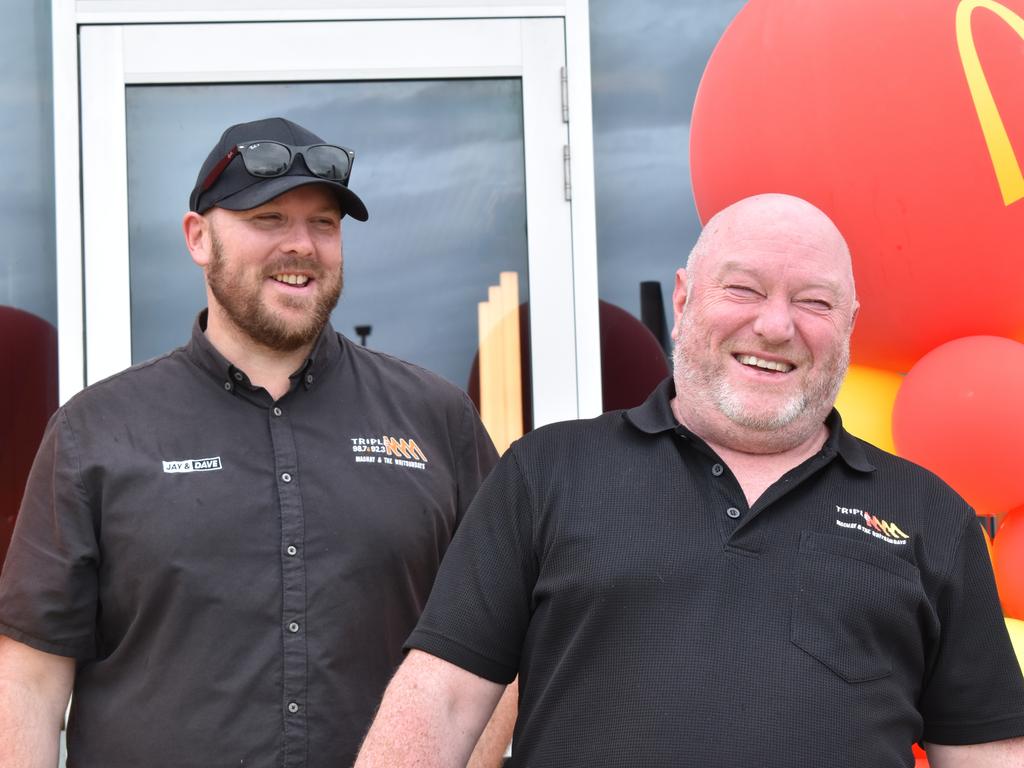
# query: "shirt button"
[227,385]
[293,707]
[309,378]
[293,627]
[286,477]
[732,512]
[717,469]
[292,550]
[238,376]
[277,411]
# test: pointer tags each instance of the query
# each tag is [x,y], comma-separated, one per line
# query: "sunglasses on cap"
[266,159]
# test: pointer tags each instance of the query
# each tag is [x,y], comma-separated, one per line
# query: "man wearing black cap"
[222,550]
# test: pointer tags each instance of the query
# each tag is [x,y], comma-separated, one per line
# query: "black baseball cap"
[236,190]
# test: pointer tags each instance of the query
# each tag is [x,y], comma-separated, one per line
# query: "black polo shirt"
[236,576]
[655,619]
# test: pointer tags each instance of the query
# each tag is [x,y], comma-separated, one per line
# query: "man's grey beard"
[692,379]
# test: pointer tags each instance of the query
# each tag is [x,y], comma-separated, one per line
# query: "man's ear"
[853,317]
[678,300]
[198,237]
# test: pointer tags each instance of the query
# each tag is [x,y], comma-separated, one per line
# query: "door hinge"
[567,171]
[565,97]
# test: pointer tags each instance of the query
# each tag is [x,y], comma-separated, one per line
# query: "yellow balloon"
[865,402]
[1016,629]
[988,544]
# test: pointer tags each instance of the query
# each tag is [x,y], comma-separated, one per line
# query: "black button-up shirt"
[236,575]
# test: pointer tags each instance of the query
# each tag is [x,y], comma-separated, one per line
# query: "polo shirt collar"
[325,353]
[846,445]
[655,415]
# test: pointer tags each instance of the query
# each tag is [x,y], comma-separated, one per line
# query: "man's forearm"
[34,691]
[489,751]
[29,733]
[431,717]
[1008,753]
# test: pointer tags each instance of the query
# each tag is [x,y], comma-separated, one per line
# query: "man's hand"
[432,715]
[34,692]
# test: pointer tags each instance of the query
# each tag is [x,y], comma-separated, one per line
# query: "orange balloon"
[959,413]
[901,120]
[1008,563]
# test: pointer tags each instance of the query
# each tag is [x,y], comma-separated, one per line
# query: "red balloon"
[920,757]
[864,108]
[1008,562]
[959,413]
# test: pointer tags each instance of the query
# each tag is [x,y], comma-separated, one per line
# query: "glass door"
[460,150]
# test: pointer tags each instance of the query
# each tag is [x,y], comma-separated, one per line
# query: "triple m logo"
[403,447]
[387,446]
[887,529]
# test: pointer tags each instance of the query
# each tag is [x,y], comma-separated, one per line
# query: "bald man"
[722,576]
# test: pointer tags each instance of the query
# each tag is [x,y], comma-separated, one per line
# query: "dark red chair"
[28,389]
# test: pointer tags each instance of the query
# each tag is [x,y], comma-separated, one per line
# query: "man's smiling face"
[764,314]
[275,272]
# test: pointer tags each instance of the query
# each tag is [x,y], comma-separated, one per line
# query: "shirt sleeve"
[975,691]
[479,609]
[48,589]
[475,455]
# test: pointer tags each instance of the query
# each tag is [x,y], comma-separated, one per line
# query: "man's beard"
[246,310]
[695,378]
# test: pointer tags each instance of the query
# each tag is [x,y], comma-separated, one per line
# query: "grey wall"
[27,254]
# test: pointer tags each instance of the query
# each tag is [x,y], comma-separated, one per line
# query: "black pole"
[652,311]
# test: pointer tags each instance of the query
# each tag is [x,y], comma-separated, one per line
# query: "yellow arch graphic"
[1004,161]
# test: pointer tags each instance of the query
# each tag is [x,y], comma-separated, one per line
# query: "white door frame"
[132,42]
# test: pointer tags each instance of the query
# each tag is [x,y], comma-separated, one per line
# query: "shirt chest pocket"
[855,605]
